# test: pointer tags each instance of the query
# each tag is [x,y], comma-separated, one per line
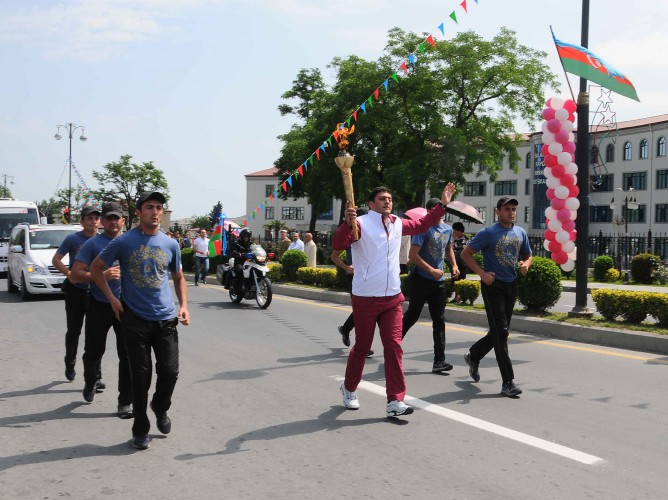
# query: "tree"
[275,227]
[201,222]
[52,208]
[454,112]
[5,192]
[79,199]
[123,181]
[215,213]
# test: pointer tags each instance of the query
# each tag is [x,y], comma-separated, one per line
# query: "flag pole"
[562,64]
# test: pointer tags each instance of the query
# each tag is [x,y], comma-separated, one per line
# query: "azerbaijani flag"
[583,62]
[216,240]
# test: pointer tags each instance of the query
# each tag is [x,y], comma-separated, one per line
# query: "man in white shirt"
[201,248]
[311,250]
[296,244]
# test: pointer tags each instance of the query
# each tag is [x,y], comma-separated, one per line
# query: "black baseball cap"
[112,208]
[506,200]
[89,210]
[150,195]
[431,203]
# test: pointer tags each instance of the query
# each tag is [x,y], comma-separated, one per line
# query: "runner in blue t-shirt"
[146,256]
[503,245]
[100,316]
[76,296]
[428,252]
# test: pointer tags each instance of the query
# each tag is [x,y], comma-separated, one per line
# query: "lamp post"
[630,203]
[70,128]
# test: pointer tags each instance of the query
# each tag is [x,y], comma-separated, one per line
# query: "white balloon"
[556,103]
[561,192]
[574,214]
[572,168]
[571,137]
[552,182]
[562,236]
[561,115]
[555,225]
[569,265]
[573,254]
[550,213]
[547,172]
[548,138]
[555,148]
[546,245]
[544,128]
[567,126]
[568,247]
[572,204]
[564,158]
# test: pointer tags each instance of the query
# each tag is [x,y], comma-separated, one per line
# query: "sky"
[194,85]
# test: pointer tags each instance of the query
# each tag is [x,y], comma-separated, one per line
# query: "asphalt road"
[257,414]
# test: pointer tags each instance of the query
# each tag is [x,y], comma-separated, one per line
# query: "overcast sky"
[194,85]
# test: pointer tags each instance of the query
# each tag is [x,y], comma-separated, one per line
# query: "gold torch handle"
[347,176]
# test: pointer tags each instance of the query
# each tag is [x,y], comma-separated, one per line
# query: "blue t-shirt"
[145,261]
[71,245]
[501,249]
[433,243]
[87,254]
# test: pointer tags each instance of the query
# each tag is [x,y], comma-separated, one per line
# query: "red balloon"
[550,194]
[568,180]
[554,246]
[549,235]
[560,257]
[573,192]
[554,125]
[561,136]
[571,117]
[558,170]
[570,106]
[563,215]
[568,225]
[569,147]
[557,203]
[544,151]
[550,160]
[574,234]
[548,114]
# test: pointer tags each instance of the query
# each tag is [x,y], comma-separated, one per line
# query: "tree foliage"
[123,181]
[214,215]
[5,192]
[201,222]
[454,112]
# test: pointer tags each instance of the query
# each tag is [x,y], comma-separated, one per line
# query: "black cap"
[431,203]
[111,208]
[89,210]
[150,195]
[506,200]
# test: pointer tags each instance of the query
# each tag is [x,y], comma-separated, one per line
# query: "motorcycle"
[253,282]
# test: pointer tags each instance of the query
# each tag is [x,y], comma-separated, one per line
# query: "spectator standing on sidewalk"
[284,243]
[296,244]
[503,246]
[311,250]
[428,252]
[201,248]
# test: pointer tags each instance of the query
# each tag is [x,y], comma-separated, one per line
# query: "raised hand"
[448,192]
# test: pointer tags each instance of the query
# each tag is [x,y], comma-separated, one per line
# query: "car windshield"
[45,238]
[9,220]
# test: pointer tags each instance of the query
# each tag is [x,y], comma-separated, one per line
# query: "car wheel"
[11,287]
[25,294]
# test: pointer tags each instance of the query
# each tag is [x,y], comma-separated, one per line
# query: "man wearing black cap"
[503,245]
[147,312]
[76,296]
[100,316]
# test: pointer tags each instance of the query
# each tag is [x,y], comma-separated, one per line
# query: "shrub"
[601,264]
[541,288]
[291,261]
[612,275]
[607,302]
[480,260]
[187,259]
[318,277]
[468,290]
[633,307]
[276,272]
[643,266]
[657,306]
[661,275]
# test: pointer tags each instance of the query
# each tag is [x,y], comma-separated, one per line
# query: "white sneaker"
[398,408]
[350,400]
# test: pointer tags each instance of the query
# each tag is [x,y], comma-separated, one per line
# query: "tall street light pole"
[70,128]
[582,160]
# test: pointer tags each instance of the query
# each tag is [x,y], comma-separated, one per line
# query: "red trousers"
[387,313]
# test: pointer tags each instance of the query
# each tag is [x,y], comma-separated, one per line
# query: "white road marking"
[521,437]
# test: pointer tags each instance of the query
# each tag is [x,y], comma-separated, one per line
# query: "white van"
[12,212]
[31,249]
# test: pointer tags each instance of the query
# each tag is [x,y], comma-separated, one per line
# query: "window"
[662,179]
[527,214]
[637,216]
[292,213]
[600,214]
[481,167]
[505,187]
[527,162]
[661,147]
[603,184]
[527,186]
[627,151]
[268,212]
[644,149]
[661,212]
[635,180]
[268,190]
[475,189]
[482,211]
[610,153]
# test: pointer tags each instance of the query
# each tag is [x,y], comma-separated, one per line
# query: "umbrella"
[464,211]
[416,213]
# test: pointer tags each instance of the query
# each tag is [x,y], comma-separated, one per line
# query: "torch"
[344,161]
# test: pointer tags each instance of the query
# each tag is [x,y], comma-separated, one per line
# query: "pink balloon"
[548,114]
[549,235]
[558,170]
[570,105]
[561,137]
[564,214]
[550,194]
[573,192]
[569,147]
[557,203]
[554,246]
[544,150]
[571,117]
[560,257]
[574,235]
[554,125]
[568,225]
[550,160]
[568,180]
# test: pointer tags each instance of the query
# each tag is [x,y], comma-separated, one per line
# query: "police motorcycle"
[252,281]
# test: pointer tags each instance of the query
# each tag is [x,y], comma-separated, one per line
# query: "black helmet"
[246,231]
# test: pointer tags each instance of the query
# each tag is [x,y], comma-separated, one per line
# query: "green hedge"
[468,290]
[541,288]
[291,261]
[601,265]
[633,307]
[276,272]
[643,267]
[325,277]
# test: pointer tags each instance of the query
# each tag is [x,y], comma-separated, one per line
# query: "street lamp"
[630,203]
[70,128]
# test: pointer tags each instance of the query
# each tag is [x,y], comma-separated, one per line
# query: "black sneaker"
[125,411]
[70,374]
[345,337]
[141,442]
[510,389]
[203,282]
[195,283]
[370,353]
[163,422]
[100,386]
[441,366]
[473,367]
[89,392]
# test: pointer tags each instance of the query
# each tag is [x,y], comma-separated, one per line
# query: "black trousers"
[140,337]
[499,300]
[100,318]
[76,302]
[434,294]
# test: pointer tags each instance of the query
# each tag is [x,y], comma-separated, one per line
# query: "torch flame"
[344,132]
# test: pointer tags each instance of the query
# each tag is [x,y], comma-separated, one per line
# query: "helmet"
[246,231]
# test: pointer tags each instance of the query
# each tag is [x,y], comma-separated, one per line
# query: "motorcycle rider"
[240,247]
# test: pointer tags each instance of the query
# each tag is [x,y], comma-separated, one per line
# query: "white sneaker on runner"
[350,400]
[398,408]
